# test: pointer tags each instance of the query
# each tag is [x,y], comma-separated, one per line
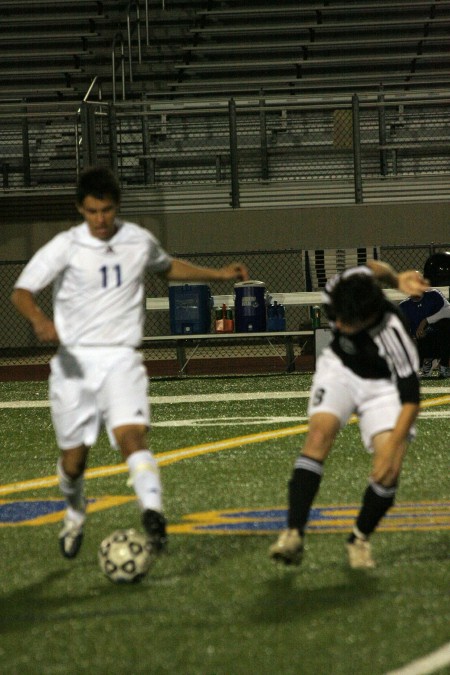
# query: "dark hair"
[357,297]
[98,182]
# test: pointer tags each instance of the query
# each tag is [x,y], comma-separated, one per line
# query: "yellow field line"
[172,456]
[439,400]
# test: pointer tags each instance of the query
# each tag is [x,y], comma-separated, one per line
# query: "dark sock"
[303,487]
[377,501]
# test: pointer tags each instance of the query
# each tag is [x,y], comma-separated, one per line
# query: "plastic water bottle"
[316,316]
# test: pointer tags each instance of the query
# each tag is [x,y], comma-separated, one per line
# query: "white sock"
[144,476]
[74,516]
[72,489]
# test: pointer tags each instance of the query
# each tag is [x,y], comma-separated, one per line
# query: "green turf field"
[216,604]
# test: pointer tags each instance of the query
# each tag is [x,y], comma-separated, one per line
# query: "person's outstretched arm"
[181,270]
[410,282]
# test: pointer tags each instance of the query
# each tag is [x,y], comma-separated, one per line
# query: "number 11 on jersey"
[111,275]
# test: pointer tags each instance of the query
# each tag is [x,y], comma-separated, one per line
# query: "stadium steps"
[48,47]
[315,47]
[276,195]
[29,205]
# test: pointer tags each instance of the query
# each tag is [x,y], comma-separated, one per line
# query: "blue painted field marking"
[410,516]
[32,512]
[324,519]
[25,511]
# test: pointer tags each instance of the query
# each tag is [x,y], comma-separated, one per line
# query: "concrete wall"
[313,227]
[254,229]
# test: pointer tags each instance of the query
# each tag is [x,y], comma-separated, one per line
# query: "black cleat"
[155,526]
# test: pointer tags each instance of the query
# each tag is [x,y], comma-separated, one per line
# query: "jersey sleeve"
[158,260]
[404,358]
[439,307]
[46,264]
[409,389]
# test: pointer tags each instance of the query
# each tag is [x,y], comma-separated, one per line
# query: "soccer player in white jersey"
[97,376]
[368,369]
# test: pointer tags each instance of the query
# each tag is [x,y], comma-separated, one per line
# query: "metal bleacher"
[219,48]
[48,48]
[175,56]
[316,47]
[215,48]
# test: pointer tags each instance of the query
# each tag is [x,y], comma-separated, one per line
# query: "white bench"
[303,299]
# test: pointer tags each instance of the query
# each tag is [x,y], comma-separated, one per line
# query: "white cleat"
[71,535]
[288,548]
[360,554]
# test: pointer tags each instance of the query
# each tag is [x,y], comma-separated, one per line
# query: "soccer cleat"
[427,368]
[288,548]
[71,537]
[360,554]
[155,525]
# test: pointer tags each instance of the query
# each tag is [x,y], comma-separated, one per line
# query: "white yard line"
[188,398]
[210,398]
[427,664]
[253,420]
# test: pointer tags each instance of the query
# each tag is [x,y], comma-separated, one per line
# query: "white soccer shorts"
[91,386]
[338,390]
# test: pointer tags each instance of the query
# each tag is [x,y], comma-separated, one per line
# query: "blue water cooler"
[190,308]
[250,314]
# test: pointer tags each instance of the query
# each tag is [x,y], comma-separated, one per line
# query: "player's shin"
[72,489]
[145,478]
[377,501]
[71,535]
[303,487]
[144,475]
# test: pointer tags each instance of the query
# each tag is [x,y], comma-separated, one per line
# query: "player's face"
[100,216]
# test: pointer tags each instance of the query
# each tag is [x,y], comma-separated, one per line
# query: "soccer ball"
[125,556]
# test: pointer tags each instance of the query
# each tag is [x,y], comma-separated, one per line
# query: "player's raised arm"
[410,282]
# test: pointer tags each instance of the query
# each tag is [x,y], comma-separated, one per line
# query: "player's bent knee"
[321,435]
[73,465]
[131,438]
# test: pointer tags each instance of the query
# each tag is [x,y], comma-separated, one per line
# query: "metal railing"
[234,144]
[133,4]
[118,41]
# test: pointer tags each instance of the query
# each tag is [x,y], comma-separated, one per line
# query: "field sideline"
[202,595]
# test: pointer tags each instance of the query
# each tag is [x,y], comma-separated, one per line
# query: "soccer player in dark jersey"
[428,318]
[369,369]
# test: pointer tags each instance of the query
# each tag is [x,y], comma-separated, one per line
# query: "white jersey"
[98,287]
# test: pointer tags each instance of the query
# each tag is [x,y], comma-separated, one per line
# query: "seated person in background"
[428,317]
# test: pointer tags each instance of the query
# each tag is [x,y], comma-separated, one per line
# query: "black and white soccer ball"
[125,556]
